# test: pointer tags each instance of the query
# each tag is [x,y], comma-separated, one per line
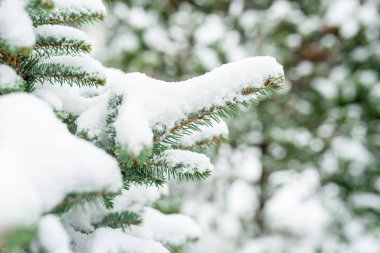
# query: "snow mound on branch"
[60,31]
[16,27]
[137,197]
[86,64]
[8,77]
[116,241]
[169,229]
[52,235]
[82,217]
[96,6]
[153,105]
[187,161]
[41,162]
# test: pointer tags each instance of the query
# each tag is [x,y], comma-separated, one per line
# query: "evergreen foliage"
[57,60]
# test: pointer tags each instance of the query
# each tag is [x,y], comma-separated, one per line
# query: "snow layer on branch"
[137,197]
[8,77]
[53,162]
[187,161]
[219,129]
[153,104]
[88,102]
[52,236]
[80,64]
[60,31]
[116,241]
[92,6]
[16,27]
[75,100]
[172,229]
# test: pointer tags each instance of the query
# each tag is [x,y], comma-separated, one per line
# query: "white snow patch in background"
[351,150]
[366,200]
[296,207]
[241,163]
[242,199]
[211,31]
[158,39]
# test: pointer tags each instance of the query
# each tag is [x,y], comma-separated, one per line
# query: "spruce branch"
[69,119]
[162,167]
[11,58]
[45,4]
[122,220]
[75,199]
[202,145]
[164,171]
[112,108]
[48,47]
[18,88]
[169,137]
[10,51]
[42,16]
[136,175]
[62,74]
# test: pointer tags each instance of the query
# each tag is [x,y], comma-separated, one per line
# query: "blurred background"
[301,171]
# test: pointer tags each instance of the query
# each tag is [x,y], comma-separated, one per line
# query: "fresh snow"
[82,218]
[52,235]
[75,100]
[8,77]
[187,161]
[16,27]
[137,197]
[54,162]
[173,229]
[41,162]
[60,32]
[116,241]
[151,104]
[79,64]
[169,229]
[96,6]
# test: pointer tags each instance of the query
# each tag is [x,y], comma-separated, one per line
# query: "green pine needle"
[122,220]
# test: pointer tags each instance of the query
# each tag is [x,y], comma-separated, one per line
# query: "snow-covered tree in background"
[301,174]
[86,150]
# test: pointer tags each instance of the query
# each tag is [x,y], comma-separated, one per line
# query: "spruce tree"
[86,150]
